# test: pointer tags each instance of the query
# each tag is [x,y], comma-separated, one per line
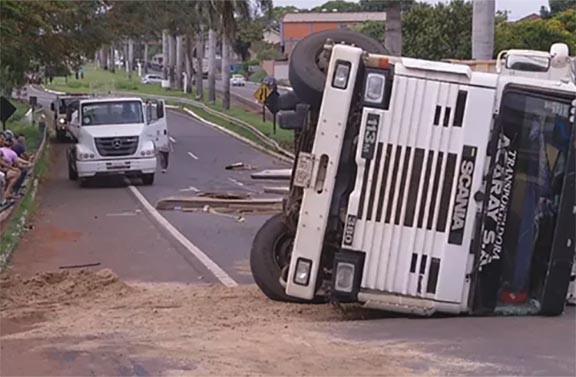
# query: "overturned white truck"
[423,187]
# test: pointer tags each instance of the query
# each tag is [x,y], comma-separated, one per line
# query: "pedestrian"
[82,73]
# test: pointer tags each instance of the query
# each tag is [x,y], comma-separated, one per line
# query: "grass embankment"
[100,81]
[10,235]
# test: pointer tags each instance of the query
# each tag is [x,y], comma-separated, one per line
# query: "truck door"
[526,244]
[157,127]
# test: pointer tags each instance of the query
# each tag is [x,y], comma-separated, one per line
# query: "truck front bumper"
[132,166]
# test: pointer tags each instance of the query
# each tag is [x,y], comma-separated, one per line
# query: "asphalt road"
[109,225]
[197,164]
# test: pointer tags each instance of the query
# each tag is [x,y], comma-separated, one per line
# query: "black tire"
[148,179]
[83,182]
[72,174]
[60,136]
[306,77]
[269,255]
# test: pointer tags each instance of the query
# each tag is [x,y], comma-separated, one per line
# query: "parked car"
[237,80]
[151,79]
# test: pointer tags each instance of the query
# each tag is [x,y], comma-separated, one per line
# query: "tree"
[393,24]
[249,32]
[47,33]
[438,32]
[339,6]
[372,29]
[558,6]
[537,34]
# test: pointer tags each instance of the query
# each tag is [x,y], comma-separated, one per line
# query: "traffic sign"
[262,93]
[6,111]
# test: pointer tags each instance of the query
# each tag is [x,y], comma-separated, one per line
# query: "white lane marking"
[172,139]
[193,249]
[190,188]
[236,182]
[192,155]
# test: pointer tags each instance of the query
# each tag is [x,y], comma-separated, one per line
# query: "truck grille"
[412,196]
[116,146]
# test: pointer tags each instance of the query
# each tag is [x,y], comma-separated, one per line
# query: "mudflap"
[525,238]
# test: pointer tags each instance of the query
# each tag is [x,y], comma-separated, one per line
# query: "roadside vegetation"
[11,231]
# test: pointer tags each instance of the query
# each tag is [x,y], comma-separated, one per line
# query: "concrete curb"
[51,91]
[239,137]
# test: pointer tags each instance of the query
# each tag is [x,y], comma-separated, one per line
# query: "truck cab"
[63,107]
[116,136]
[423,187]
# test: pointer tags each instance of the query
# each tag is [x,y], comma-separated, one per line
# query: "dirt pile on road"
[57,287]
[173,329]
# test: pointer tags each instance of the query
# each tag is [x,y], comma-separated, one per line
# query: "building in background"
[296,26]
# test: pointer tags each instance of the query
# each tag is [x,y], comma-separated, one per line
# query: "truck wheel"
[307,69]
[83,182]
[270,258]
[72,174]
[148,179]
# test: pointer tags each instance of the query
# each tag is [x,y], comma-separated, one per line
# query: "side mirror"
[160,110]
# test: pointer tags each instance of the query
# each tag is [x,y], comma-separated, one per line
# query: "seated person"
[10,173]
[12,160]
[20,148]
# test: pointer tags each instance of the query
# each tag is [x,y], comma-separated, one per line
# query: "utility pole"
[483,29]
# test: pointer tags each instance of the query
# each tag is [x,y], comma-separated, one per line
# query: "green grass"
[18,125]
[100,81]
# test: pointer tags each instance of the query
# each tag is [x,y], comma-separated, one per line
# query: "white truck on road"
[423,187]
[116,136]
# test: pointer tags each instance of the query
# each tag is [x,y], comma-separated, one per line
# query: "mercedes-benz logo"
[117,143]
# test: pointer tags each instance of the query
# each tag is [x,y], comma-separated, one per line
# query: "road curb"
[239,137]
[51,91]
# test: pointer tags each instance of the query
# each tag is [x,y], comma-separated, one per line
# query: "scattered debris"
[273,174]
[222,203]
[283,190]
[239,166]
[80,265]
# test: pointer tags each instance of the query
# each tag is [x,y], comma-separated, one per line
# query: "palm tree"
[228,10]
[483,29]
[211,65]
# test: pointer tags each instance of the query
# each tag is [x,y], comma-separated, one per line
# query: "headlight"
[302,273]
[148,152]
[375,85]
[85,156]
[341,74]
[61,120]
[344,277]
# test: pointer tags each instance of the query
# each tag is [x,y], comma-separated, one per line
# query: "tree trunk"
[172,60]
[112,59]
[104,57]
[225,70]
[483,29]
[179,62]
[145,57]
[393,29]
[212,66]
[200,66]
[188,56]
[165,54]
[130,61]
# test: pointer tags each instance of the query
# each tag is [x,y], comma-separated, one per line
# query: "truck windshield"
[102,113]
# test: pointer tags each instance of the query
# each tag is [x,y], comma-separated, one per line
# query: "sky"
[517,8]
